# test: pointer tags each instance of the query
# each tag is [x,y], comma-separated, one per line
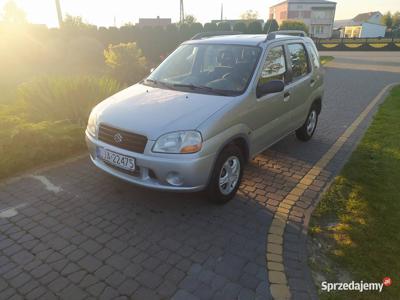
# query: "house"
[365,25]
[153,22]
[318,15]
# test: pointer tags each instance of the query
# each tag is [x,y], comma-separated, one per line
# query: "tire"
[305,132]
[230,157]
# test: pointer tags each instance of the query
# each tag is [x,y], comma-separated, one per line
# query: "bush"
[224,26]
[127,63]
[64,98]
[293,25]
[270,26]
[210,27]
[241,27]
[24,145]
[254,27]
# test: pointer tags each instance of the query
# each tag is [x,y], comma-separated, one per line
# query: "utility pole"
[182,12]
[59,13]
[222,11]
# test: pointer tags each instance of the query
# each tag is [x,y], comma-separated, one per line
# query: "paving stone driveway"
[73,232]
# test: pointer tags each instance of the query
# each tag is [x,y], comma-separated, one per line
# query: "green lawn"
[326,59]
[357,223]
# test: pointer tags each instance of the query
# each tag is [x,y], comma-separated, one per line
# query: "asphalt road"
[73,232]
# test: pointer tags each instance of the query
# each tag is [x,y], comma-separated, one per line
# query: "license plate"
[116,159]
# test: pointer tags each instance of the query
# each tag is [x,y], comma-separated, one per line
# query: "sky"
[106,12]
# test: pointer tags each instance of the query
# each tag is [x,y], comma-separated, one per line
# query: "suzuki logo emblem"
[118,138]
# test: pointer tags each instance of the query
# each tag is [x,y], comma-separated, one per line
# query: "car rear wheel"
[305,132]
[226,176]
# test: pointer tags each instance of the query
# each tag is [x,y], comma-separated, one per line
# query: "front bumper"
[154,168]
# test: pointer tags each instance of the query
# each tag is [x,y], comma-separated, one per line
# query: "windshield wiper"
[156,82]
[202,88]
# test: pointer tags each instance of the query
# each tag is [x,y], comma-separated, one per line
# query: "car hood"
[152,111]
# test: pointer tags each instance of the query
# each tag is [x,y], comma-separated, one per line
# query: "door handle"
[312,82]
[286,96]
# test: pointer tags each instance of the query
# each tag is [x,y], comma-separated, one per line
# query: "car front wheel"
[226,176]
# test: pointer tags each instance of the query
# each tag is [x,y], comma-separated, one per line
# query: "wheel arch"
[317,103]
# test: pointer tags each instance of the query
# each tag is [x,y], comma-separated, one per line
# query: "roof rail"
[213,33]
[272,35]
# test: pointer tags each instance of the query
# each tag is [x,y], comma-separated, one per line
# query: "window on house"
[318,29]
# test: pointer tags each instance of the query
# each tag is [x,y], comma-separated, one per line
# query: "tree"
[387,20]
[249,15]
[270,26]
[396,20]
[254,27]
[76,22]
[190,19]
[13,14]
[126,61]
[293,25]
[241,27]
[210,27]
[184,32]
[196,28]
[224,26]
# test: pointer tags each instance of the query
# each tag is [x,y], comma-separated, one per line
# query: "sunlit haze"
[119,12]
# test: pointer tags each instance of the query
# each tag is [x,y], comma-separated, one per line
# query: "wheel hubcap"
[229,175]
[311,122]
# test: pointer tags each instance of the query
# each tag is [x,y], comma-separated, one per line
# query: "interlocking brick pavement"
[97,237]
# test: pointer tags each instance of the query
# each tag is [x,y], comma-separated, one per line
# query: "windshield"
[208,68]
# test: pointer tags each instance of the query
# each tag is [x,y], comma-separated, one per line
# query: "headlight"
[92,124]
[179,142]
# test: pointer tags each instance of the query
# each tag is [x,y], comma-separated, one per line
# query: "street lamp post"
[59,13]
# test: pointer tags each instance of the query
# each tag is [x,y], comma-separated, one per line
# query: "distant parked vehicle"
[213,104]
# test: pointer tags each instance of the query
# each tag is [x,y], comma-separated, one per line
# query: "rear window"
[299,60]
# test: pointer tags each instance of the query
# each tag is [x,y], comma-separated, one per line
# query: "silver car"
[209,107]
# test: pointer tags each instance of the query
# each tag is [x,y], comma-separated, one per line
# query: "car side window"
[299,60]
[274,66]
[313,56]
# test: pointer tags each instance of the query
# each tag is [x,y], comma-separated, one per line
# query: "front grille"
[127,140]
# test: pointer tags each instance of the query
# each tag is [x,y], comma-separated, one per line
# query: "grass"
[28,145]
[326,59]
[46,122]
[358,220]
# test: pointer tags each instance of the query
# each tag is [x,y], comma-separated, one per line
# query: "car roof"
[241,39]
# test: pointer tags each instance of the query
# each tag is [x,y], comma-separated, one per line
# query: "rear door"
[301,82]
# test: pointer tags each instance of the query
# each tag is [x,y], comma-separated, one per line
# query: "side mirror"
[273,86]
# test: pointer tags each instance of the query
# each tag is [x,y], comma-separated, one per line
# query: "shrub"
[224,26]
[254,27]
[293,25]
[210,27]
[64,98]
[270,26]
[127,63]
[241,27]
[24,145]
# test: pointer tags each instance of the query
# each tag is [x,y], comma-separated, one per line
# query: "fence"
[358,44]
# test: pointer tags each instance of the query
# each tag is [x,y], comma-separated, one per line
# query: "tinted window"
[299,61]
[275,66]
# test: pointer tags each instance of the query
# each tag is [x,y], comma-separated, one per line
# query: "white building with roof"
[365,25]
